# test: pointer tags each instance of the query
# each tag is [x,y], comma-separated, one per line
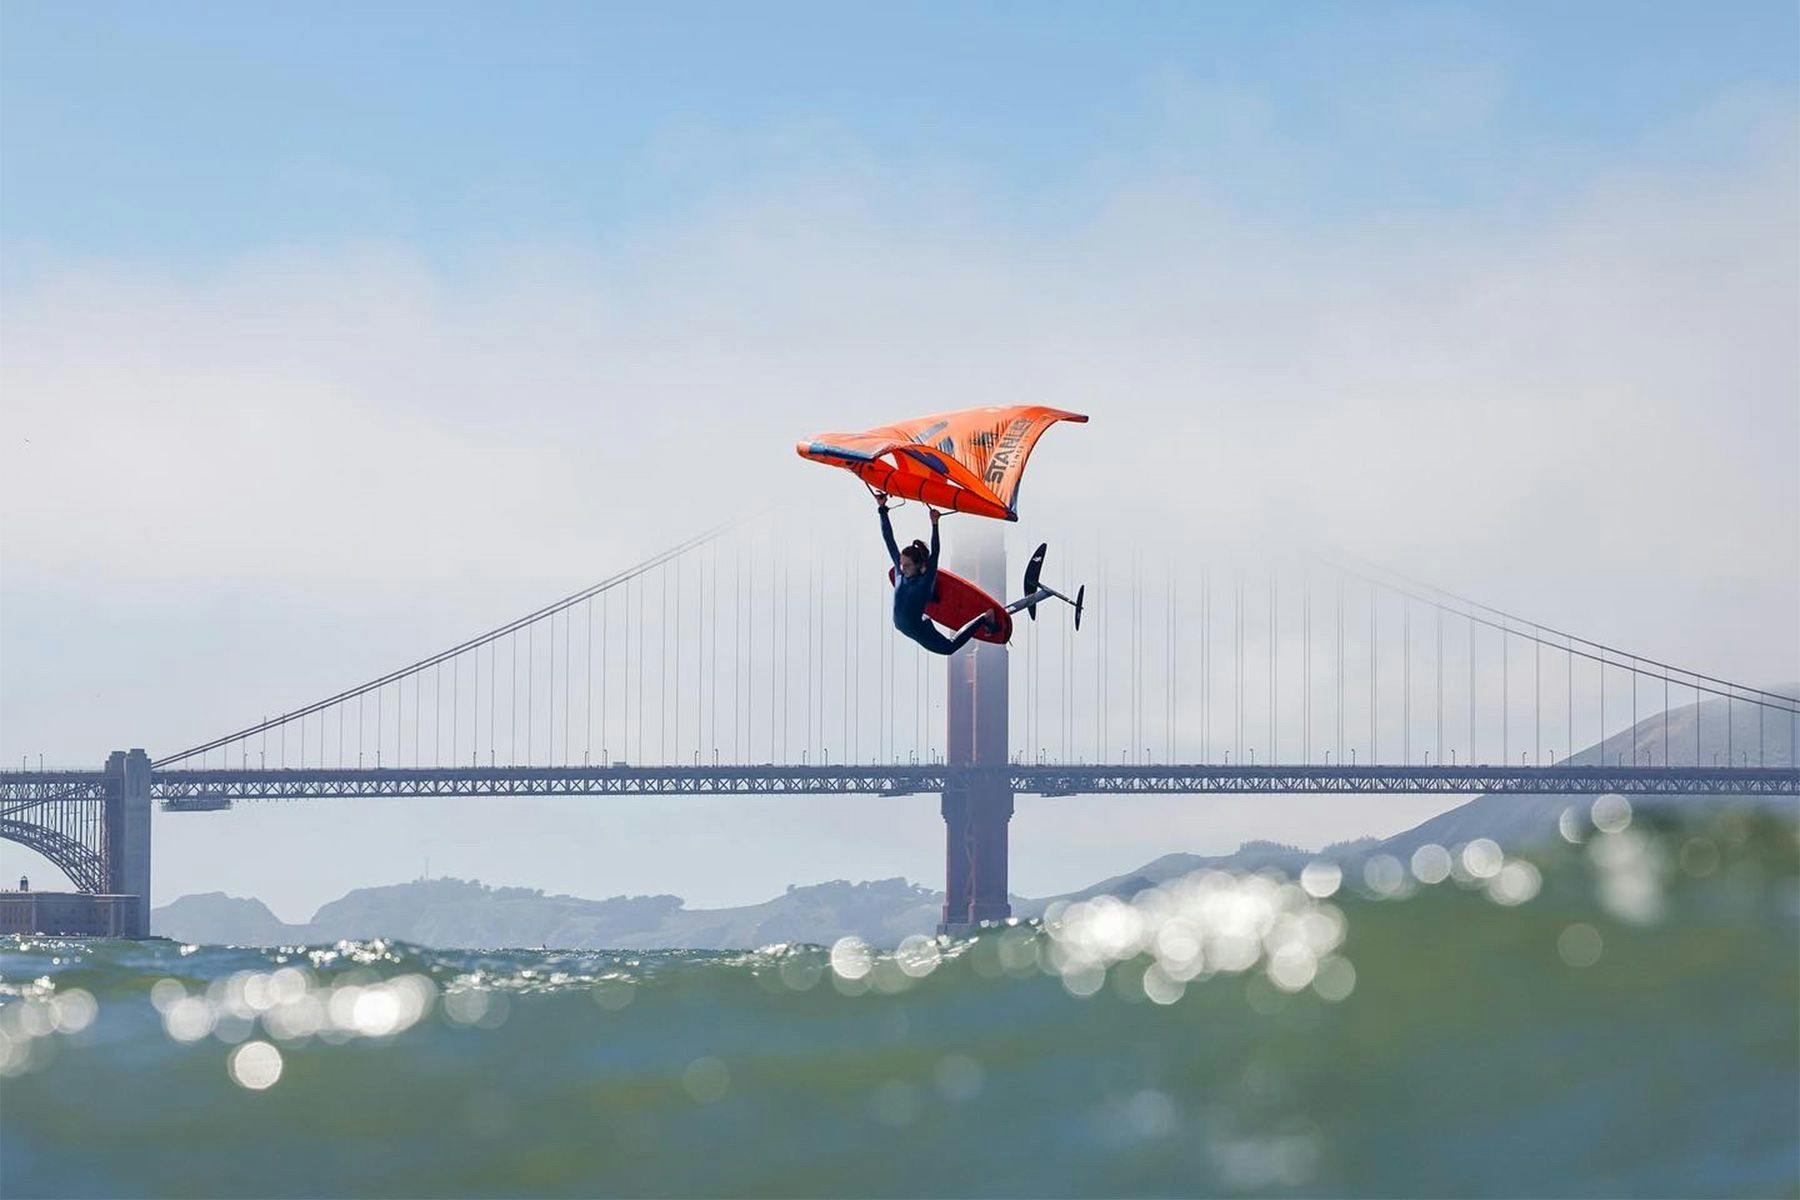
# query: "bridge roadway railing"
[203,790]
[199,790]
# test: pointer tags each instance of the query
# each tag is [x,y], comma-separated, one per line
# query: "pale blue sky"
[189,133]
[334,334]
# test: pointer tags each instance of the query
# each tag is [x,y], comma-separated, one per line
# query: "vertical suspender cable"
[1238,664]
[1102,676]
[1600,745]
[1274,674]
[1206,665]
[1505,697]
[1569,713]
[550,695]
[1633,737]
[638,713]
[530,689]
[568,637]
[844,733]
[1405,680]
[1305,665]
[587,710]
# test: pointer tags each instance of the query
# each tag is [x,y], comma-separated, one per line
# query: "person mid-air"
[967,461]
[915,580]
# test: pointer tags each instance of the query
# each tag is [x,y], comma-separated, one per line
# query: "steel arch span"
[85,865]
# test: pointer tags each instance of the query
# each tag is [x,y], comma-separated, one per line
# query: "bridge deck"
[200,790]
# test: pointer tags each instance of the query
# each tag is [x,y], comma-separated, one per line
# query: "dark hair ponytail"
[919,552]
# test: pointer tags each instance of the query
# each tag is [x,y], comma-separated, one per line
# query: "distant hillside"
[455,912]
[216,919]
[1522,820]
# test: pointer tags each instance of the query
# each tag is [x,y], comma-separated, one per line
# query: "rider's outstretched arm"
[931,569]
[887,535]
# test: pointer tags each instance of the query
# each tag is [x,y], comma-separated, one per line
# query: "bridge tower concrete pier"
[976,814]
[127,823]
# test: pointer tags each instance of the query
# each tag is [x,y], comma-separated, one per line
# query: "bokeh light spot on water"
[1292,967]
[851,958]
[74,1010]
[1335,979]
[1178,949]
[706,1079]
[801,973]
[465,1006]
[1255,1164]
[1630,866]
[230,1028]
[1483,858]
[845,986]
[254,1065]
[1431,863]
[885,976]
[1579,945]
[1321,878]
[896,1103]
[165,993]
[917,956]
[475,1006]
[375,1012]
[1017,951]
[1384,875]
[1146,1115]
[1516,882]
[1568,823]
[189,1019]
[1160,987]
[1611,813]
[1084,981]
[959,1078]
[15,1054]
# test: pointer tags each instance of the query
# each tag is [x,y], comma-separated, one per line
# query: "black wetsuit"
[912,595]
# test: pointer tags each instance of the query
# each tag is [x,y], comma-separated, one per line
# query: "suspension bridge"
[738,664]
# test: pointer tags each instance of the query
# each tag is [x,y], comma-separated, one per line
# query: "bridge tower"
[127,823]
[976,814]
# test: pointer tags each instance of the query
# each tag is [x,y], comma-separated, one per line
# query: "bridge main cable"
[649,564]
[1511,625]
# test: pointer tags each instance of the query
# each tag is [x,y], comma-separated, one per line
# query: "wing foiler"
[966,461]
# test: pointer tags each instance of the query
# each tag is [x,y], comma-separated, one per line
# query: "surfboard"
[958,602]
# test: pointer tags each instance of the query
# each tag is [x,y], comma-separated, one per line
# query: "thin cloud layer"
[1591,415]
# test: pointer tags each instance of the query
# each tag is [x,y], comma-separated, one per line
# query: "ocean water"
[1616,1014]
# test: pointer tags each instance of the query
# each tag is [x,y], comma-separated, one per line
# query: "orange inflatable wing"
[966,461]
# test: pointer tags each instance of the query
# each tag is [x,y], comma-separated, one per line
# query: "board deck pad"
[958,602]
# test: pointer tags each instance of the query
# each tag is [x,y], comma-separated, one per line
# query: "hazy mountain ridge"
[455,912]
